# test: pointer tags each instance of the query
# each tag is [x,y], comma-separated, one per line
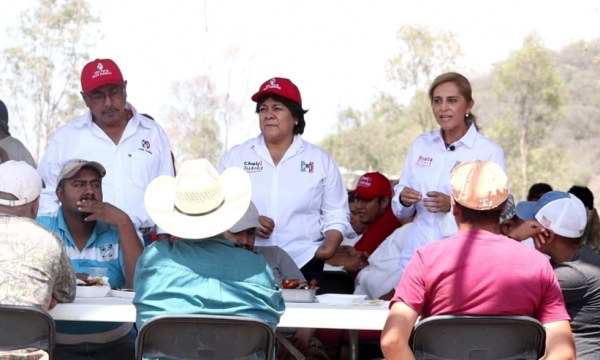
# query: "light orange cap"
[479,185]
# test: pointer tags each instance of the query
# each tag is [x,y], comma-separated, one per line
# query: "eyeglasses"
[115,93]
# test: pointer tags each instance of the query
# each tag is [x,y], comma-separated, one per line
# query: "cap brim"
[525,210]
[159,200]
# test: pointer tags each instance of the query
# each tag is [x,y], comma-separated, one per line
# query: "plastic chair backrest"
[478,337]
[23,327]
[205,337]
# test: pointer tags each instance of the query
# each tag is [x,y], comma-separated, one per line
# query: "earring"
[467,115]
[296,124]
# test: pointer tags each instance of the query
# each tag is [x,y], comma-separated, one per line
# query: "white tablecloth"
[312,315]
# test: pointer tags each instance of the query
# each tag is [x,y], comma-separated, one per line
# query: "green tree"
[422,55]
[191,123]
[533,95]
[378,138]
[41,74]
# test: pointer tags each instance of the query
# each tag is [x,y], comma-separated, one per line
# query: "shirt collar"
[100,227]
[468,138]
[136,118]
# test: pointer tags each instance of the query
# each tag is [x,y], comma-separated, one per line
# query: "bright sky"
[334,50]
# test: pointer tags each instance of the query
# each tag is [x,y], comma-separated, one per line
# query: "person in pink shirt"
[478,271]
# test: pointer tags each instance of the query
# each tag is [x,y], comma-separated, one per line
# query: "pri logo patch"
[145,146]
[253,166]
[424,161]
[307,166]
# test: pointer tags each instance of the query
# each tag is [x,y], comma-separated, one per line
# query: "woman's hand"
[267,226]
[437,202]
[409,197]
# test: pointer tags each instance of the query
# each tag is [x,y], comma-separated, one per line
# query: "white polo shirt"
[428,167]
[304,194]
[383,272]
[142,154]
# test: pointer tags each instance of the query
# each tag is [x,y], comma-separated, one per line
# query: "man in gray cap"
[13,148]
[96,234]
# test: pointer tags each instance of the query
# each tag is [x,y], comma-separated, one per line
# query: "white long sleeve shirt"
[142,154]
[304,194]
[428,167]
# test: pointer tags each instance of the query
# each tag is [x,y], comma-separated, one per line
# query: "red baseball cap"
[279,86]
[100,72]
[372,185]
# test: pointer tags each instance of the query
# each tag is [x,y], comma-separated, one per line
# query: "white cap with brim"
[20,180]
[198,203]
[248,221]
[558,211]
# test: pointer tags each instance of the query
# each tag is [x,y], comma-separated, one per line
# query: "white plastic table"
[306,315]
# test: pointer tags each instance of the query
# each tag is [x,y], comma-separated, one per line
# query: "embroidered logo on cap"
[272,85]
[101,71]
[364,181]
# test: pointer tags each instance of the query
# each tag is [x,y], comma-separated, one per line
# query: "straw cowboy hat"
[198,203]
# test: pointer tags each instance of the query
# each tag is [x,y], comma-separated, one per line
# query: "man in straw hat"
[208,274]
[478,271]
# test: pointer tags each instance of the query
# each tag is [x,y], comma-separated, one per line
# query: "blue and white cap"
[559,211]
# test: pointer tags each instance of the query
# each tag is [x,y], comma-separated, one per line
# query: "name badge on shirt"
[424,161]
[253,166]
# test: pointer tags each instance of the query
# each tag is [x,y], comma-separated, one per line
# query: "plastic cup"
[97,272]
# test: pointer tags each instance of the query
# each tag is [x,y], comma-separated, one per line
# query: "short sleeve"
[411,289]
[552,306]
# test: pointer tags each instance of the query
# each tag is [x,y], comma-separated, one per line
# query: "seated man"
[209,274]
[559,220]
[282,265]
[96,234]
[34,266]
[358,228]
[379,279]
[373,193]
[477,271]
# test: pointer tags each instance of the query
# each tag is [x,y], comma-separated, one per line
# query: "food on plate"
[295,284]
[85,280]
[290,284]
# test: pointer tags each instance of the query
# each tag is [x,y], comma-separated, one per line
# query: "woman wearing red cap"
[296,186]
[424,184]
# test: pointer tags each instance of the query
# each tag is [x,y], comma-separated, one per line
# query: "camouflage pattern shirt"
[34,267]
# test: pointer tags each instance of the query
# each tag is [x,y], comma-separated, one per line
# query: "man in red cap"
[372,197]
[133,149]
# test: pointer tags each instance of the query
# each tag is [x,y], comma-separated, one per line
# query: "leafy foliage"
[42,72]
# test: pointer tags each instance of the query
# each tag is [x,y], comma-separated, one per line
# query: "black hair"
[294,107]
[584,194]
[472,216]
[537,190]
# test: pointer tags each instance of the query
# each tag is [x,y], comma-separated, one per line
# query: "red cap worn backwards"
[372,185]
[98,73]
[279,86]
